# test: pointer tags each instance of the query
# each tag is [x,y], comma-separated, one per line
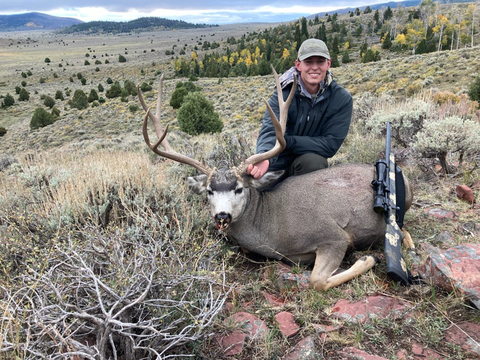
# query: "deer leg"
[407,240]
[325,265]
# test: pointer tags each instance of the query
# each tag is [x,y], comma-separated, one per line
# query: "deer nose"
[222,220]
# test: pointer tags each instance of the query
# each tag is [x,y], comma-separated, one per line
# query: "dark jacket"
[313,126]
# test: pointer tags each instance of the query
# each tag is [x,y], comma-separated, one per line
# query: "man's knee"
[306,163]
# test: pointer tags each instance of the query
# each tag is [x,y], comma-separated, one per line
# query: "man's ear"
[198,183]
[268,180]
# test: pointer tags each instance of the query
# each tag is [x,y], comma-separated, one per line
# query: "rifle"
[389,182]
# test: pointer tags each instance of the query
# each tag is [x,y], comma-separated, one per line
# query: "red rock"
[441,214]
[248,326]
[304,350]
[455,268]
[286,324]
[466,335]
[465,193]
[351,353]
[286,276]
[368,308]
[232,343]
[273,300]
[421,352]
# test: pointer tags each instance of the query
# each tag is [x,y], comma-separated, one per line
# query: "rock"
[423,353]
[286,324]
[285,276]
[456,268]
[369,308]
[466,335]
[441,214]
[445,239]
[249,327]
[352,353]
[304,350]
[273,300]
[465,193]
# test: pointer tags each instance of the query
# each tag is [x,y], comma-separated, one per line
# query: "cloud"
[210,12]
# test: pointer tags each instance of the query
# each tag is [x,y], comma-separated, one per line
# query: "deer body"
[314,217]
[304,213]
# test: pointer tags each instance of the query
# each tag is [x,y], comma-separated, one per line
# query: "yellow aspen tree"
[442,23]
[285,54]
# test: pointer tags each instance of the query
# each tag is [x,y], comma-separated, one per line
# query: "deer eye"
[238,191]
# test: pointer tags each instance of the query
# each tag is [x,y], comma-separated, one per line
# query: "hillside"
[140,24]
[106,253]
[35,21]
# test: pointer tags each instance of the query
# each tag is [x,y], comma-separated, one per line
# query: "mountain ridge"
[35,21]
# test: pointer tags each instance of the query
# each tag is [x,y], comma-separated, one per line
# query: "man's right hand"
[259,169]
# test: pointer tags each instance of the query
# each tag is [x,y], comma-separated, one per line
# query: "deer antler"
[279,125]
[169,153]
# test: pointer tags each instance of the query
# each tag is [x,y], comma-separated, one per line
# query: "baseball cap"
[313,47]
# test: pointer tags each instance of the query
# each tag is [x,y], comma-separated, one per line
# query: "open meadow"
[106,254]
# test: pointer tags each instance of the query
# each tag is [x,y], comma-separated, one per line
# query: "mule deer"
[312,218]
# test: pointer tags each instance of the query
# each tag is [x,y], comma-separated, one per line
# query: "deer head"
[227,189]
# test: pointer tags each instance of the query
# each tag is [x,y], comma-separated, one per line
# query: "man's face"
[313,70]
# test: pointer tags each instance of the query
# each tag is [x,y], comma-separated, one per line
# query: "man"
[318,118]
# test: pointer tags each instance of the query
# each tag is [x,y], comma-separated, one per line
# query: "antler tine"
[279,125]
[168,153]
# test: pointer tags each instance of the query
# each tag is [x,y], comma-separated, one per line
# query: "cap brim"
[326,56]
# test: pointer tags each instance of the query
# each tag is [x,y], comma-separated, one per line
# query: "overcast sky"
[194,11]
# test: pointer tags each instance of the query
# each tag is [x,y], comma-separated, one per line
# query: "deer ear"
[269,180]
[197,184]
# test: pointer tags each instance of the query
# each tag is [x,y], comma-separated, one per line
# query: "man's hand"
[259,169]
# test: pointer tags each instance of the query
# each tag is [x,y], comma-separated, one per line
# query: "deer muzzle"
[222,220]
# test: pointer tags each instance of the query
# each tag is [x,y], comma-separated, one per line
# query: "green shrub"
[79,76]
[24,83]
[3,131]
[178,96]
[41,118]
[97,62]
[55,112]
[100,88]
[114,91]
[133,108]
[109,80]
[197,115]
[92,96]
[122,59]
[86,62]
[130,87]
[474,90]
[8,101]
[49,102]
[59,95]
[83,81]
[79,100]
[47,60]
[24,75]
[24,95]
[17,90]
[145,87]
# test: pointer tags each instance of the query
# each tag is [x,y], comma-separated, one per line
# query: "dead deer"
[312,218]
